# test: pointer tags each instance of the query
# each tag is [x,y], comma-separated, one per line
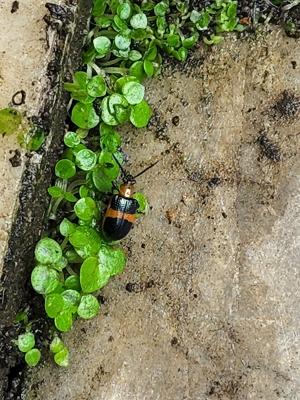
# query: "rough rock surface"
[23,63]
[209,305]
[35,55]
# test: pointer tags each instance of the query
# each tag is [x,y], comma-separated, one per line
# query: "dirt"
[208,307]
[287,106]
[268,149]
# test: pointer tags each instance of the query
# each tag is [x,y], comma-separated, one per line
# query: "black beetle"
[120,214]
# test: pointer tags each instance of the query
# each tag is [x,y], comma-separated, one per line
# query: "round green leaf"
[84,116]
[161,24]
[148,68]
[65,169]
[173,40]
[151,54]
[134,55]
[110,167]
[60,264]
[86,159]
[190,41]
[70,197]
[120,25]
[86,209]
[133,92]
[84,191]
[110,142]
[66,227]
[124,79]
[47,251]
[86,241]
[138,35]
[32,357]
[137,70]
[143,203]
[101,181]
[64,321]
[103,22]
[114,100]
[102,45]
[71,300]
[124,11]
[139,21]
[96,87]
[55,192]
[122,42]
[26,342]
[91,278]
[56,345]
[44,280]
[54,304]
[112,259]
[62,358]
[72,282]
[78,87]
[122,114]
[140,114]
[182,54]
[161,9]
[37,138]
[121,53]
[82,133]
[88,307]
[106,116]
[195,16]
[71,139]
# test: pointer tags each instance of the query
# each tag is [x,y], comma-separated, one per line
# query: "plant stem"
[114,70]
[76,183]
[64,243]
[108,34]
[98,70]
[70,270]
[111,62]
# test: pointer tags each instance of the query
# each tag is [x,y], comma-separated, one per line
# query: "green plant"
[12,122]
[26,344]
[125,46]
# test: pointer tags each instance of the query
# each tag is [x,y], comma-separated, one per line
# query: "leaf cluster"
[125,46]
[68,276]
[26,344]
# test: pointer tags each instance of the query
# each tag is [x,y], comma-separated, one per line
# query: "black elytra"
[119,216]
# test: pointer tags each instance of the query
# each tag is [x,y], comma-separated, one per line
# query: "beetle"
[120,214]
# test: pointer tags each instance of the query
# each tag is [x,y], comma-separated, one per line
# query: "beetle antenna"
[121,168]
[146,169]
[115,186]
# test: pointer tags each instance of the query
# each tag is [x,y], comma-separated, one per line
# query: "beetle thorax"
[126,190]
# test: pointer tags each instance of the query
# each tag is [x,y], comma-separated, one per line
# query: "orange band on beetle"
[110,213]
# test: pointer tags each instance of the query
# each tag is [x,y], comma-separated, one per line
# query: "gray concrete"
[213,306]
[23,62]
[34,57]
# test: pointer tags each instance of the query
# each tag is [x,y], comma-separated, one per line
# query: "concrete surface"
[209,305]
[36,55]
[24,57]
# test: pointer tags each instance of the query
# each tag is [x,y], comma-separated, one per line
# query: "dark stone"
[214,182]
[14,7]
[175,120]
[15,160]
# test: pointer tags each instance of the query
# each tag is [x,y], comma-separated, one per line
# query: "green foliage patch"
[125,46]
